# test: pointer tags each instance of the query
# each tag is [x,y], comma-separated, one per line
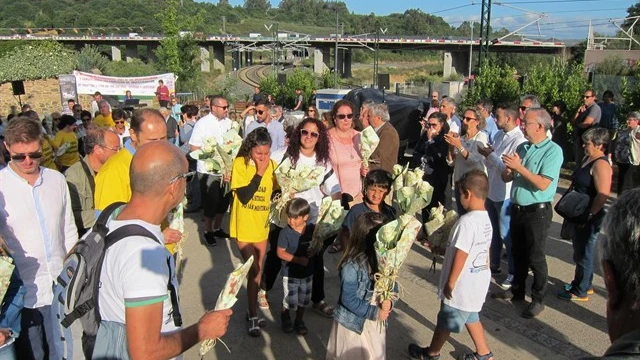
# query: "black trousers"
[529,231]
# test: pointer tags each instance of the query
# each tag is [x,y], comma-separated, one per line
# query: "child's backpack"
[78,285]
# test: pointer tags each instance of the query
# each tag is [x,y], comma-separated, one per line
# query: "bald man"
[134,292]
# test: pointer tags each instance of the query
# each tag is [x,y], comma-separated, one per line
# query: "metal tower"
[485,31]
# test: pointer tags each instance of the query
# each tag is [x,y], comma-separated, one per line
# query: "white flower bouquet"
[393,242]
[369,141]
[62,149]
[6,270]
[439,226]
[218,158]
[293,180]
[227,297]
[330,220]
[176,222]
[411,193]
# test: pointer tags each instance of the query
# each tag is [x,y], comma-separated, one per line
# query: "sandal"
[323,309]
[417,352]
[476,356]
[261,321]
[254,328]
[335,248]
[301,329]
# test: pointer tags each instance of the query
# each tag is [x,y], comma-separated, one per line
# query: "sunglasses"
[187,175]
[260,112]
[119,121]
[311,110]
[313,134]
[587,96]
[222,107]
[523,108]
[344,116]
[22,157]
[468,118]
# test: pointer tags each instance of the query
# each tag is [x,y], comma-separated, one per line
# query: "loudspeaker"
[18,87]
[383,81]
[282,79]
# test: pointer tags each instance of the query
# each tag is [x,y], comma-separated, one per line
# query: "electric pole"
[485,31]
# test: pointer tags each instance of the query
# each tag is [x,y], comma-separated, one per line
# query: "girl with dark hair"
[430,155]
[355,333]
[309,146]
[252,184]
[312,112]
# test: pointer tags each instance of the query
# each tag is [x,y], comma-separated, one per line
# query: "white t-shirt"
[471,234]
[207,127]
[314,196]
[474,159]
[503,143]
[135,272]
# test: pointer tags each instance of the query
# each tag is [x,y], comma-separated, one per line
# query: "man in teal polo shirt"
[534,169]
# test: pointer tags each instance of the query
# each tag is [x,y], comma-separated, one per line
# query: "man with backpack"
[137,299]
[37,224]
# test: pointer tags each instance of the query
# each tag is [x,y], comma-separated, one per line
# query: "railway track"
[252,75]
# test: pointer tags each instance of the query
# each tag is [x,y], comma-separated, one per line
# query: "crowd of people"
[497,166]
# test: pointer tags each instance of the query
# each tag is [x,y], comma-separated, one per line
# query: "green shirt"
[545,159]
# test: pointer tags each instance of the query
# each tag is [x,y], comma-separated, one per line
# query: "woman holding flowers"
[345,150]
[309,147]
[252,184]
[355,333]
[463,150]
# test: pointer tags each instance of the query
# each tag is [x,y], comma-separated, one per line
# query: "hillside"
[123,16]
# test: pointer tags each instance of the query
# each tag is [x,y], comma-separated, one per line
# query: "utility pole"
[471,51]
[485,31]
[375,59]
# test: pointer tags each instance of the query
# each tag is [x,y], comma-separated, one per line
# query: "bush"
[495,82]
[43,60]
[90,58]
[136,67]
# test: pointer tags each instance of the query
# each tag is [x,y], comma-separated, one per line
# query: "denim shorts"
[453,320]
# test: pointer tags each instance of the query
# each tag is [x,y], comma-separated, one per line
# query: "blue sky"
[565,18]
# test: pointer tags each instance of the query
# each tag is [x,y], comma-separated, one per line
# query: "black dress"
[431,157]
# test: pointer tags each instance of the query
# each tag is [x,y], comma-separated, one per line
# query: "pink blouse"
[346,162]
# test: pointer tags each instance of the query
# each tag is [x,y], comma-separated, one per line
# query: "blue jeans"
[37,339]
[584,243]
[8,352]
[500,215]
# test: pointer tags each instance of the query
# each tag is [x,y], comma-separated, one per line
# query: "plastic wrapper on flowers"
[218,158]
[330,220]
[393,242]
[411,193]
[439,226]
[369,141]
[292,180]
[228,297]
[176,222]
[6,269]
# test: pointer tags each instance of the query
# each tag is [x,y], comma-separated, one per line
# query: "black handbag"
[573,205]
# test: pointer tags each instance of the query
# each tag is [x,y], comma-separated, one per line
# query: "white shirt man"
[36,221]
[208,126]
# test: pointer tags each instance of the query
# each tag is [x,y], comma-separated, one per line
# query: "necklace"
[346,140]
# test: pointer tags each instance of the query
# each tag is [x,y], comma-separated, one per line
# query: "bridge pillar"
[116,54]
[455,62]
[218,56]
[326,56]
[205,64]
[319,65]
[347,63]
[340,65]
[249,58]
[131,52]
[151,52]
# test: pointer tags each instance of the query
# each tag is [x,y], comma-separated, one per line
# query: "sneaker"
[287,325]
[262,299]
[534,309]
[221,234]
[476,356]
[300,327]
[506,284]
[569,296]
[568,287]
[210,239]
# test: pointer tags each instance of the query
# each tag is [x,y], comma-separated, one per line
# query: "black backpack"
[79,282]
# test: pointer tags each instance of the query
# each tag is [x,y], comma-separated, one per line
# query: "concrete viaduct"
[213,48]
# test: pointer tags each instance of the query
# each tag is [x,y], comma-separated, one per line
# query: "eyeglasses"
[344,116]
[313,134]
[187,175]
[468,118]
[118,121]
[116,149]
[587,96]
[311,110]
[531,123]
[22,157]
[222,107]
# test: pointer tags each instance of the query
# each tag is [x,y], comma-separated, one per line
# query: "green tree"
[41,60]
[495,82]
[136,67]
[257,5]
[90,58]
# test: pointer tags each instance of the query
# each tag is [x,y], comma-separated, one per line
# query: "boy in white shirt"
[465,274]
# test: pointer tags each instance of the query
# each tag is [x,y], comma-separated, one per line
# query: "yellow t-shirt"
[249,222]
[70,156]
[104,121]
[47,154]
[112,181]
